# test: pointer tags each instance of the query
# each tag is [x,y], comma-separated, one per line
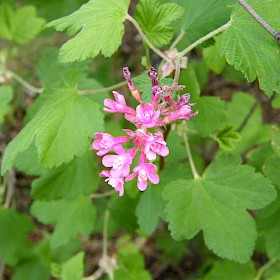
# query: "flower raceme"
[162,110]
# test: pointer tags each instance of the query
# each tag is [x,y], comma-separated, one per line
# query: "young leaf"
[155,19]
[70,217]
[203,17]
[149,209]
[251,49]
[73,269]
[67,181]
[216,205]
[60,130]
[19,26]
[227,138]
[14,228]
[6,95]
[98,26]
[212,56]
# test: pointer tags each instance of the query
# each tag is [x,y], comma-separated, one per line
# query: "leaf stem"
[146,40]
[188,150]
[24,83]
[205,38]
[105,234]
[178,39]
[9,183]
[260,20]
[99,90]
[264,268]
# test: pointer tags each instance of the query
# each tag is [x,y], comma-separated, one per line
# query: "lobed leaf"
[216,205]
[155,19]
[98,26]
[251,49]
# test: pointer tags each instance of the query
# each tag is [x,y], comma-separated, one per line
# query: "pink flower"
[182,100]
[155,144]
[106,142]
[146,115]
[184,113]
[116,182]
[145,172]
[120,163]
[118,106]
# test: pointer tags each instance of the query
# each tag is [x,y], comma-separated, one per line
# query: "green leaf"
[6,95]
[60,130]
[28,162]
[31,269]
[14,228]
[269,228]
[155,19]
[251,49]
[227,138]
[216,204]
[212,56]
[276,102]
[226,270]
[80,176]
[131,264]
[144,85]
[19,26]
[188,78]
[98,26]
[275,139]
[149,209]
[255,131]
[271,169]
[203,17]
[258,156]
[73,269]
[211,115]
[70,217]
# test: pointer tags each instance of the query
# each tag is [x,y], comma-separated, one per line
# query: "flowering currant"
[162,110]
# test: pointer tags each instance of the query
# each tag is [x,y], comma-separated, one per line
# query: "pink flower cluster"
[162,110]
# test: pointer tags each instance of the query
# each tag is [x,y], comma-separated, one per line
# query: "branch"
[260,20]
[205,38]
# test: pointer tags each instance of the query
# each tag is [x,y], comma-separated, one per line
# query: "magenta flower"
[145,172]
[162,110]
[106,142]
[118,106]
[120,164]
[116,182]
[146,115]
[155,144]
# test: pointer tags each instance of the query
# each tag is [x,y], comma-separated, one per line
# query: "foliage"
[215,212]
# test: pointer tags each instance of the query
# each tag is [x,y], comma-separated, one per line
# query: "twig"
[205,38]
[24,83]
[9,183]
[146,40]
[248,116]
[99,90]
[260,20]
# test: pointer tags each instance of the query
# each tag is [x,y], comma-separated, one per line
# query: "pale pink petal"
[153,177]
[130,176]
[142,185]
[108,160]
